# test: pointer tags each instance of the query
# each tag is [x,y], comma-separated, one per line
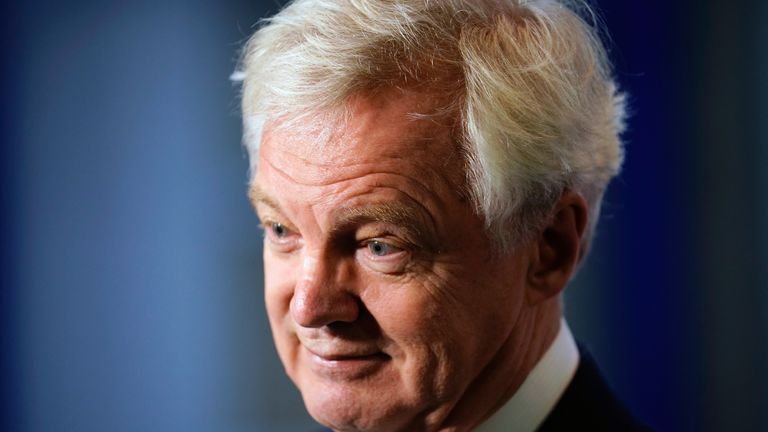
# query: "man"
[428,174]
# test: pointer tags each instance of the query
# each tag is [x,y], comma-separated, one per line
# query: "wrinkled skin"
[388,308]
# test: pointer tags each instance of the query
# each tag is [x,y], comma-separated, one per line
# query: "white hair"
[529,80]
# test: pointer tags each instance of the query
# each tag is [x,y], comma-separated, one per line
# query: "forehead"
[393,128]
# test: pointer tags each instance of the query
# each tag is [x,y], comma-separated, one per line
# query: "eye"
[383,257]
[278,229]
[280,237]
[381,249]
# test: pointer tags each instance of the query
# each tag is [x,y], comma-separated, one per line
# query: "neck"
[533,333]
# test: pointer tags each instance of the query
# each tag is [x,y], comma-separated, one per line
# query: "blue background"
[131,282]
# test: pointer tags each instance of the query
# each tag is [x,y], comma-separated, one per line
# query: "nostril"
[317,305]
[324,293]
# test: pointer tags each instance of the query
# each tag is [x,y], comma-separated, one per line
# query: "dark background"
[131,278]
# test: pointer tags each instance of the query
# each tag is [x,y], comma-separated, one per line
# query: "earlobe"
[557,249]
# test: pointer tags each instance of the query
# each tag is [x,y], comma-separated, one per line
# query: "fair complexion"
[389,308]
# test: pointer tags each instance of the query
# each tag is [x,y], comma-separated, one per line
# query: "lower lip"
[346,368]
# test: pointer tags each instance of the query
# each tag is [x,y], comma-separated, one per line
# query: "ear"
[557,249]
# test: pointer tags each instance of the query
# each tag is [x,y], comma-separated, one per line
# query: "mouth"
[346,365]
[332,356]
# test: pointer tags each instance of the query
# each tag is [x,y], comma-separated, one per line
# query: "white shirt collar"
[541,390]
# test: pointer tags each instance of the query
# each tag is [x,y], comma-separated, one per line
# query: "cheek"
[404,310]
[469,314]
[279,282]
[425,332]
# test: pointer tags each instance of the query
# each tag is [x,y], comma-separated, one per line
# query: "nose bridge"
[310,267]
[322,295]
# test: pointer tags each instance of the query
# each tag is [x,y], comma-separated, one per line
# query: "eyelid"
[285,244]
[392,263]
[393,239]
[270,217]
[393,245]
[399,249]
[269,224]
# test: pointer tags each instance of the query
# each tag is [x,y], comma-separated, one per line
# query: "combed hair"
[529,81]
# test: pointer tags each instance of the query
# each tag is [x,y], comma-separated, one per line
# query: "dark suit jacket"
[588,404]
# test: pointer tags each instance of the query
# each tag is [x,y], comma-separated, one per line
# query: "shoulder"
[589,404]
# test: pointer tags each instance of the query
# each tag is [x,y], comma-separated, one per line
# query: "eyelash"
[374,243]
[278,228]
[285,240]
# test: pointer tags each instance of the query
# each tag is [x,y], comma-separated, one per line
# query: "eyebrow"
[392,213]
[257,195]
[406,220]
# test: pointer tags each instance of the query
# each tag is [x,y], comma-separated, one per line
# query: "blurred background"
[131,273]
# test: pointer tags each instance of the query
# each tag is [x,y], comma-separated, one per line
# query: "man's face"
[385,300]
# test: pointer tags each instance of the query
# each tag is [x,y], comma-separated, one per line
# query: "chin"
[354,407]
[341,410]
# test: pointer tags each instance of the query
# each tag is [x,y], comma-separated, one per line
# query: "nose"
[322,294]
